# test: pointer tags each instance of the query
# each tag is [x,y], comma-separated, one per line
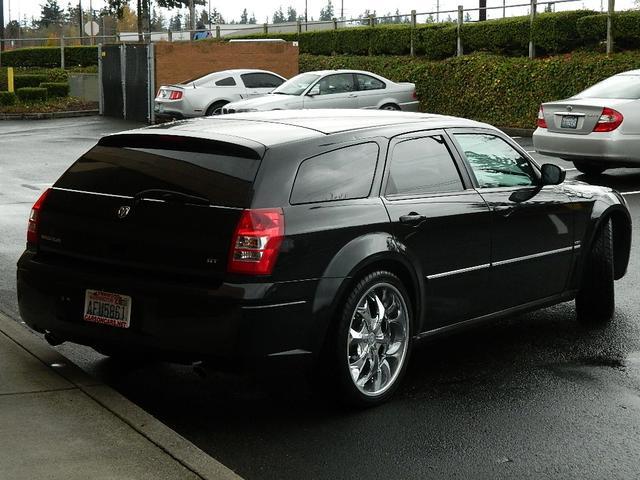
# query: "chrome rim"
[390,107]
[378,339]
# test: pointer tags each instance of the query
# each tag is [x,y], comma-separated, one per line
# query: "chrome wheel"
[391,107]
[378,339]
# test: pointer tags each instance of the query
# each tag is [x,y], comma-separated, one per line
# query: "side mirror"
[315,90]
[552,174]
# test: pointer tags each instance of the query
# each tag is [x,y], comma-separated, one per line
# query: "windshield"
[619,86]
[297,85]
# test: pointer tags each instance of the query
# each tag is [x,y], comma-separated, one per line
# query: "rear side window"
[422,166]
[221,172]
[366,82]
[261,80]
[226,82]
[338,175]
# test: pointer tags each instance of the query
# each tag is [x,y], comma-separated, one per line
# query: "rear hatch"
[577,116]
[161,203]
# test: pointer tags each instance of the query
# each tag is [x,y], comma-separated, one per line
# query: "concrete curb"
[48,116]
[170,442]
[517,132]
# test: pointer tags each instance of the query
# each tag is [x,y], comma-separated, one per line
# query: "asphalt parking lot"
[534,396]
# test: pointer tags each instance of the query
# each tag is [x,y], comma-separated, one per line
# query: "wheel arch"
[621,227]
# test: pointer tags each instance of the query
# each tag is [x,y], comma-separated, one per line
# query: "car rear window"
[126,165]
[337,175]
[618,86]
[226,82]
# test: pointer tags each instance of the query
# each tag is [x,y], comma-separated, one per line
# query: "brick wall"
[179,61]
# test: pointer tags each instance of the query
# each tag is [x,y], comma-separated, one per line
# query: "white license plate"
[107,308]
[569,121]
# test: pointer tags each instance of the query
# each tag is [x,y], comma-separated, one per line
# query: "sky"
[262,9]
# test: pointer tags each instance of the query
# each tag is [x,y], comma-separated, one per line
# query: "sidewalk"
[56,422]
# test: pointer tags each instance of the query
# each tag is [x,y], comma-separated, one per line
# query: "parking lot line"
[635,192]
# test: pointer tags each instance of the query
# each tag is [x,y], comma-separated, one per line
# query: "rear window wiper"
[171,196]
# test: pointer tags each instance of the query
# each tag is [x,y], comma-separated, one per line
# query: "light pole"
[1,25]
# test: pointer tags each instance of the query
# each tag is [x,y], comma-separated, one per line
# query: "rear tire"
[589,168]
[390,106]
[595,301]
[369,347]
[215,108]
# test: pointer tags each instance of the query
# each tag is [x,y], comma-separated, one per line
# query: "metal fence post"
[532,47]
[335,23]
[266,28]
[413,32]
[62,51]
[100,86]
[372,20]
[169,35]
[612,6]
[298,26]
[218,33]
[151,83]
[460,20]
[123,78]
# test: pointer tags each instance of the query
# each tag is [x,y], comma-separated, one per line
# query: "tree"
[278,16]
[292,14]
[51,14]
[548,8]
[175,23]
[116,7]
[244,18]
[128,20]
[253,20]
[158,22]
[327,13]
[467,17]
[12,30]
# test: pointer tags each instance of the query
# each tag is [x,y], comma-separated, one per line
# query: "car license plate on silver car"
[569,121]
[107,308]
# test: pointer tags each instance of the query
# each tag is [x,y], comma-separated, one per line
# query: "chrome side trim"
[297,351]
[570,114]
[456,272]
[530,257]
[275,305]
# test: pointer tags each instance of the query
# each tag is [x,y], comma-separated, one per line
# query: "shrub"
[504,91]
[558,32]
[317,43]
[352,41]
[438,42]
[390,40]
[7,98]
[505,36]
[31,94]
[56,89]
[28,80]
[626,29]
[48,57]
[4,84]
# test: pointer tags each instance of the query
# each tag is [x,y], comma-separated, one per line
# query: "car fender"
[356,257]
[216,100]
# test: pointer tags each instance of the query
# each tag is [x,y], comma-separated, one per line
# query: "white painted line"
[631,193]
[516,137]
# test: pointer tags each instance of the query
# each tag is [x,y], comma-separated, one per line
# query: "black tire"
[340,352]
[595,301]
[589,168]
[214,107]
[390,106]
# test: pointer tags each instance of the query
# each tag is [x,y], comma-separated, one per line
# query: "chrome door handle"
[412,219]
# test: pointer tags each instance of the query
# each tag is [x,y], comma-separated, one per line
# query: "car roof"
[630,72]
[283,126]
[327,72]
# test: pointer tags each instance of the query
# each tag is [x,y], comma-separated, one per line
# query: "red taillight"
[256,241]
[610,119]
[415,95]
[175,95]
[541,121]
[34,218]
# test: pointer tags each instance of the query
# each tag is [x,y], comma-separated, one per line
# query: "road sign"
[91,28]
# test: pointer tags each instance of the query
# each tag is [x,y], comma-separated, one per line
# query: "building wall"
[179,61]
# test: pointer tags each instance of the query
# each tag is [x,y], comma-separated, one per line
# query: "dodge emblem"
[123,211]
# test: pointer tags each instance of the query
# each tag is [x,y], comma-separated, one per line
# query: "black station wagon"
[335,238]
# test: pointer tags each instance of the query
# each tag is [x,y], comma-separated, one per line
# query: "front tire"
[588,168]
[595,301]
[372,340]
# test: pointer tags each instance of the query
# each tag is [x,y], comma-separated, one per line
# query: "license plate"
[569,121]
[107,308]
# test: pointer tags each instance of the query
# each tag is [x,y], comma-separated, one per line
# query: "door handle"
[353,95]
[413,219]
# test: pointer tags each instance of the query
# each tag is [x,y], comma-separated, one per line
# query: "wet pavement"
[533,396]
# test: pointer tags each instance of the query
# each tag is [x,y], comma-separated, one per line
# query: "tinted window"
[338,175]
[422,166]
[261,80]
[336,84]
[221,172]
[226,82]
[494,162]
[619,86]
[365,82]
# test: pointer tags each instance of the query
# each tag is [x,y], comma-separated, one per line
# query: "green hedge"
[56,89]
[31,94]
[505,36]
[503,91]
[626,29]
[7,98]
[4,84]
[28,80]
[558,32]
[48,57]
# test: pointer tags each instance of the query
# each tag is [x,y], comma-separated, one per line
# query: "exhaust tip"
[52,339]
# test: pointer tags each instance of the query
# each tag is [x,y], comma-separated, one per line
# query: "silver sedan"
[597,129]
[206,95]
[334,89]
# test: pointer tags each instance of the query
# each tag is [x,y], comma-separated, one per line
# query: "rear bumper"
[608,147]
[171,319]
[410,106]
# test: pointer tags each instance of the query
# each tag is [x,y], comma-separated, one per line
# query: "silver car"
[334,89]
[597,129]
[208,94]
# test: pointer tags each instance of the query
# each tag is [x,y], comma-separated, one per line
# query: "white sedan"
[334,89]
[206,95]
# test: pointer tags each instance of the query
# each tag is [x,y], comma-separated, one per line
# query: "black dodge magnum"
[338,238]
